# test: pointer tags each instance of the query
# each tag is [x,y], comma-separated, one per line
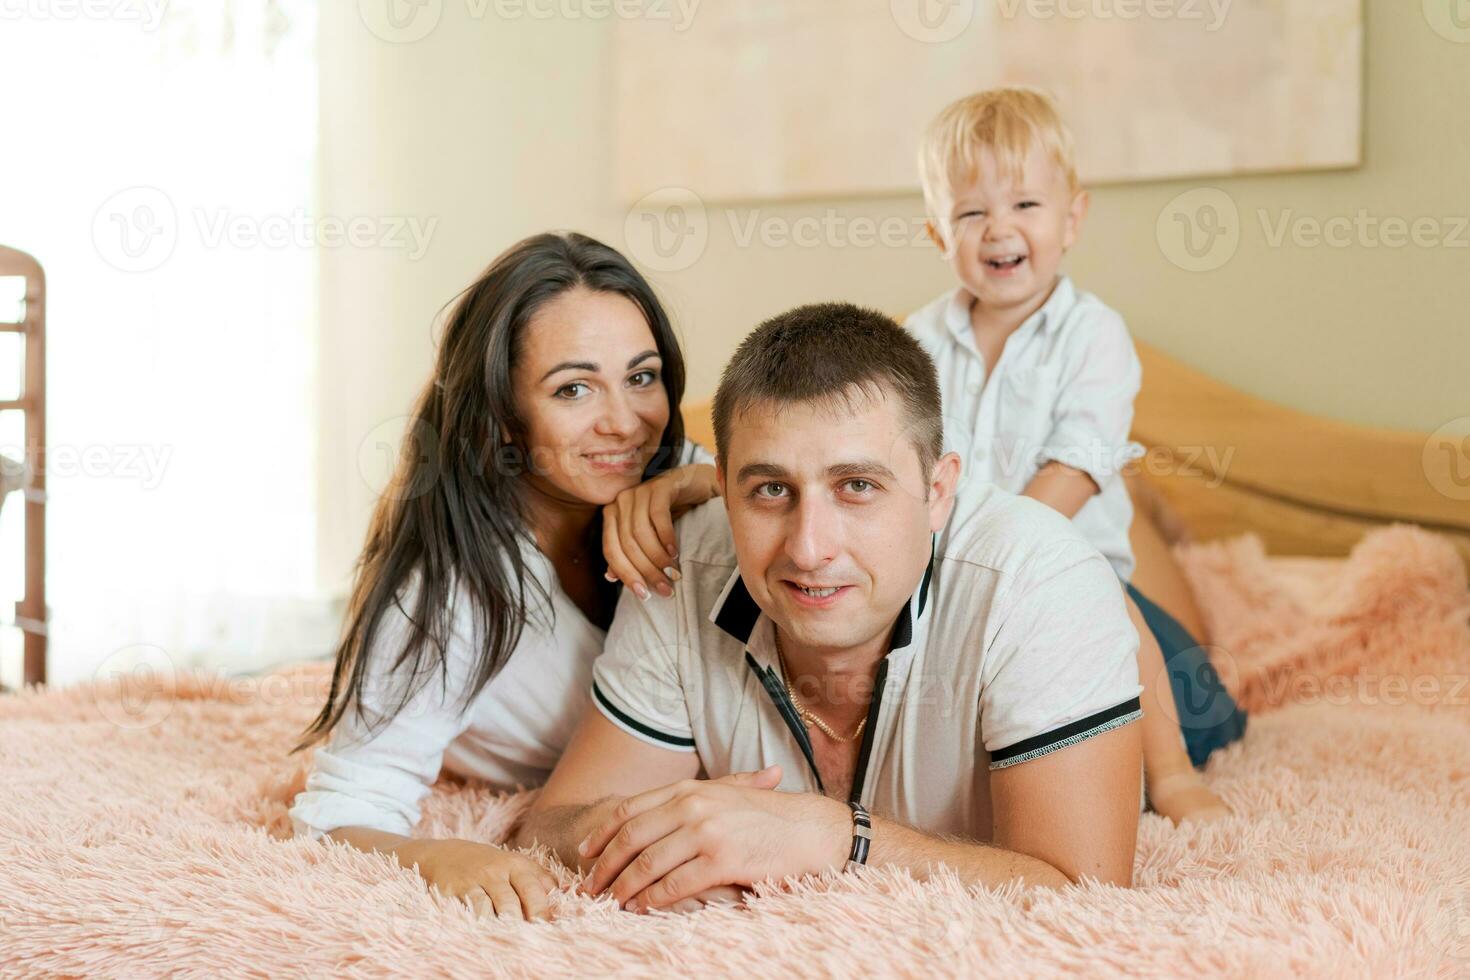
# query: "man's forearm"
[562,828]
[975,863]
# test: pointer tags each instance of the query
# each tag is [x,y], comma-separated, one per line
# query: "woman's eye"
[572,390]
[643,379]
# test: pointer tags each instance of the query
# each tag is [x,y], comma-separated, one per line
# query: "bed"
[143,826]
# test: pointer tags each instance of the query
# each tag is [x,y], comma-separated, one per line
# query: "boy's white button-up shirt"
[1062,389]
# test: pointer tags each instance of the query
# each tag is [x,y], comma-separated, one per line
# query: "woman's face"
[590,392]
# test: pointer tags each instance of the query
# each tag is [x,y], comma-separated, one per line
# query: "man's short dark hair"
[831,352]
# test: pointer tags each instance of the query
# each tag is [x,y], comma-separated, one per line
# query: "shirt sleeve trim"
[1069,734]
[636,728]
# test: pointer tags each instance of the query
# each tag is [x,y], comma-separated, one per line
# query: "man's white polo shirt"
[1015,644]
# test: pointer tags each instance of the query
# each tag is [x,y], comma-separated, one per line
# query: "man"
[862,688]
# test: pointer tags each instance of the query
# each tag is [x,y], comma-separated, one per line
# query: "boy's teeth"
[1010,260]
[817,593]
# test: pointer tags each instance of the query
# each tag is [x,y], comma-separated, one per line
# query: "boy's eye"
[971,214]
[1028,204]
[569,391]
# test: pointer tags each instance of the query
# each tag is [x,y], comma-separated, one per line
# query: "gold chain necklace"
[806,713]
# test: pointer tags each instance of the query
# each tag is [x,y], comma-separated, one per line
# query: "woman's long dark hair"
[455,514]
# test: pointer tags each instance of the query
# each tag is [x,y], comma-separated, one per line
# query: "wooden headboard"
[1230,463]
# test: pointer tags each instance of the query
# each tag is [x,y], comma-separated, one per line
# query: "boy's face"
[1007,236]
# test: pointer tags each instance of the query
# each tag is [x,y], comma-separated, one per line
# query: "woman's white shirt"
[511,735]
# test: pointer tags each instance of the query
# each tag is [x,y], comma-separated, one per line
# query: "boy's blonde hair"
[1008,122]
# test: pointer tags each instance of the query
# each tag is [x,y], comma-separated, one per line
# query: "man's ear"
[943,485]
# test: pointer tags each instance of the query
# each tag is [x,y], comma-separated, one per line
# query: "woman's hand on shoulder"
[638,528]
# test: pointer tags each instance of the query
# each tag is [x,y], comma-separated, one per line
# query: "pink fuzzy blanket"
[143,829]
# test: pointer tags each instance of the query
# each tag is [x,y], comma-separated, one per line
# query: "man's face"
[832,514]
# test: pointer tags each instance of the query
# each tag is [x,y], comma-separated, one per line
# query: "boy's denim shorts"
[1209,718]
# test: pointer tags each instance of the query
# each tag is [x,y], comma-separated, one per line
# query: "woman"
[549,434]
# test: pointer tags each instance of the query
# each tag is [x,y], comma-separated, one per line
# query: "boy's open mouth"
[1005,262]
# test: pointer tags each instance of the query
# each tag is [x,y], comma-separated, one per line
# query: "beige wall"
[498,129]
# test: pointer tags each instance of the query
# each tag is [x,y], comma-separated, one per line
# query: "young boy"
[1038,381]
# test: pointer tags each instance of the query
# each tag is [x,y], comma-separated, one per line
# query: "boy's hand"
[638,528]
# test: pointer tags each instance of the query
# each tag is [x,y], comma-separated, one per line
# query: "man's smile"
[815,596]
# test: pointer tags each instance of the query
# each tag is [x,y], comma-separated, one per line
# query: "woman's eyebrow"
[593,368]
[572,366]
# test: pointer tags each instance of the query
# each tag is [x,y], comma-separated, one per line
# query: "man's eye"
[771,491]
[859,486]
[570,391]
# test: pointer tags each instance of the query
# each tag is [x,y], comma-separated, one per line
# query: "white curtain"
[159,159]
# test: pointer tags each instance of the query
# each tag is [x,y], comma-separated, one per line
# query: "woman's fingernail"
[673,573]
[665,590]
[609,576]
[641,591]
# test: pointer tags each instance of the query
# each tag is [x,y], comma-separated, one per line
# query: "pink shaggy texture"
[143,829]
